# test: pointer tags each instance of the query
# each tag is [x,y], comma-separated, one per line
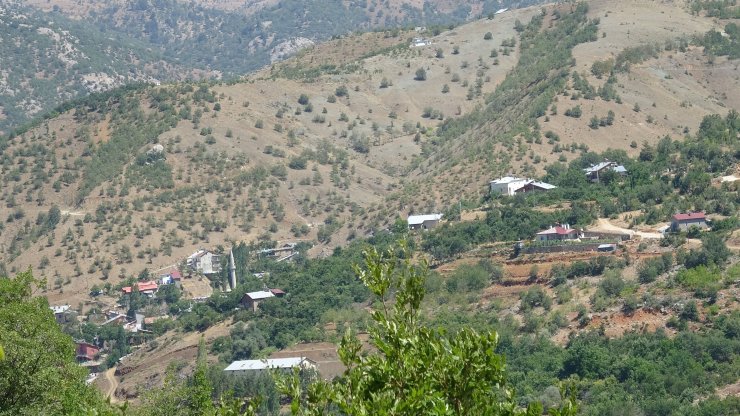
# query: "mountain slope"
[48,59]
[320,148]
[60,49]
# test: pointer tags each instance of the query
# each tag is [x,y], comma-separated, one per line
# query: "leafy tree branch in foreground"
[412,369]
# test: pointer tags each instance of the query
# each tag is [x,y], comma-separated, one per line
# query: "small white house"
[512,185]
[245,366]
[252,300]
[595,171]
[423,222]
[418,42]
[60,312]
[558,233]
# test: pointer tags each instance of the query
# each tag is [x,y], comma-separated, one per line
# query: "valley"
[301,167]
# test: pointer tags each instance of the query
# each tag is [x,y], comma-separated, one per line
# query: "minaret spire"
[232,270]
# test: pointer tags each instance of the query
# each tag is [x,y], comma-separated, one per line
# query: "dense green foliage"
[38,374]
[723,9]
[648,374]
[417,369]
[716,44]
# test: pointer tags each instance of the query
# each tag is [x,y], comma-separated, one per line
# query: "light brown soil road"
[110,377]
[603,224]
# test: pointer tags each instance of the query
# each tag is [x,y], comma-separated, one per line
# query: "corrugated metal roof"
[262,294]
[245,365]
[543,185]
[59,309]
[508,179]
[419,219]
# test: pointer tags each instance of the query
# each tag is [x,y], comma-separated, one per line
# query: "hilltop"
[64,49]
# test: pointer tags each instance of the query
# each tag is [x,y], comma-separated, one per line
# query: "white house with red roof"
[170,277]
[684,221]
[558,233]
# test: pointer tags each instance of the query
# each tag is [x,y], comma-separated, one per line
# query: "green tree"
[421,74]
[416,370]
[38,374]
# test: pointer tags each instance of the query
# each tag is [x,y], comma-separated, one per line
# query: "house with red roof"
[170,278]
[558,233]
[147,288]
[86,352]
[684,221]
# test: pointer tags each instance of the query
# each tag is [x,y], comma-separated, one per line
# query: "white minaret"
[232,271]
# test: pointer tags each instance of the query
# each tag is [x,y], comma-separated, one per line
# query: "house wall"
[686,224]
[428,225]
[564,248]
[250,304]
[505,188]
[209,263]
[556,237]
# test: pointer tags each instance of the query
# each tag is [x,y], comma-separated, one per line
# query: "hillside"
[330,148]
[62,49]
[247,162]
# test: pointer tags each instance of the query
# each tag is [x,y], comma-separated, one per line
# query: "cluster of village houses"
[203,262]
[513,185]
[206,262]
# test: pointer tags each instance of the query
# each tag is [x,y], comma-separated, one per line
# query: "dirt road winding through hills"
[603,224]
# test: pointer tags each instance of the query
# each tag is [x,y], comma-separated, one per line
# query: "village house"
[61,313]
[595,171]
[170,278]
[419,41]
[286,364]
[252,300]
[558,233]
[281,253]
[88,356]
[512,185]
[204,261]
[682,222]
[423,222]
[86,352]
[146,288]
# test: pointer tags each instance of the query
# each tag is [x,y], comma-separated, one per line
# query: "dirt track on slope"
[603,224]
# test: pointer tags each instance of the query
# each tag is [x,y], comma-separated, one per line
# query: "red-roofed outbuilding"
[558,233]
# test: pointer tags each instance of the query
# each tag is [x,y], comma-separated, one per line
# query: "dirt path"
[110,377]
[603,224]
